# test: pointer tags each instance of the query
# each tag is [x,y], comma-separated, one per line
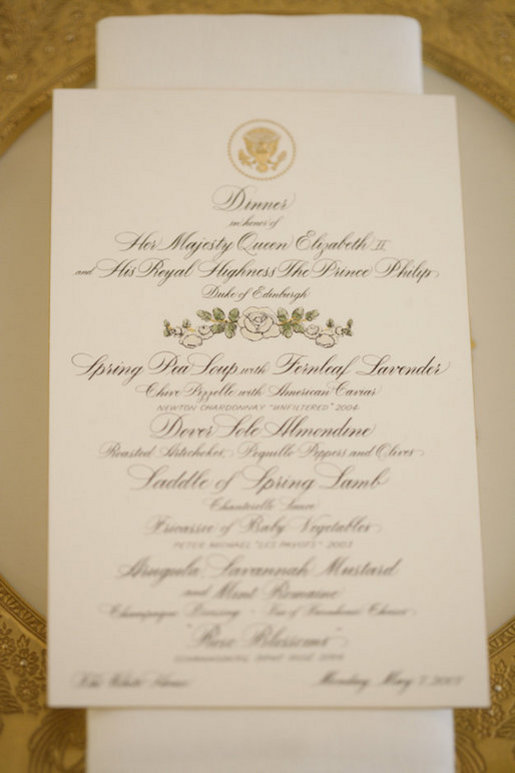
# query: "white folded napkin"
[271,741]
[340,52]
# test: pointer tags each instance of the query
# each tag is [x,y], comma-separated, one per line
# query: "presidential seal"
[261,149]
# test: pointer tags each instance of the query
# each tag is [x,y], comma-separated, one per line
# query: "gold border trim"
[502,638]
[470,77]
[21,611]
[36,105]
[33,737]
[484,738]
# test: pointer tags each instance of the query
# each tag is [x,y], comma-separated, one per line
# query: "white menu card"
[366,54]
[262,484]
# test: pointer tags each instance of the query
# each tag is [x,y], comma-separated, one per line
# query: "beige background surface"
[488,174]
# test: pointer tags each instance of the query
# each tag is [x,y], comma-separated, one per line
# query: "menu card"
[262,484]
[365,54]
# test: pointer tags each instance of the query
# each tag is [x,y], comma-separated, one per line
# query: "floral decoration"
[18,657]
[257,323]
[475,729]
[33,738]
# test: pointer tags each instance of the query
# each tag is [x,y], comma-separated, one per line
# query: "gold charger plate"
[51,44]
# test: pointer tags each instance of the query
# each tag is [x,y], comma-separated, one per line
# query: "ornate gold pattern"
[33,738]
[485,738]
[47,45]
[36,739]
[21,612]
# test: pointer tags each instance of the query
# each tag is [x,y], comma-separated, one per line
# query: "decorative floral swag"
[257,324]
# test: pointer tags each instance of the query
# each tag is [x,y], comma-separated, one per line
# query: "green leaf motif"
[288,324]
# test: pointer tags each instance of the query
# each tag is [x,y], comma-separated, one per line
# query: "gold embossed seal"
[261,149]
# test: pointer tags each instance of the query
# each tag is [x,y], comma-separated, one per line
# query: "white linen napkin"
[336,52]
[275,741]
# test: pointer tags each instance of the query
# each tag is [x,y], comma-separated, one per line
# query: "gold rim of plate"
[52,45]
[42,740]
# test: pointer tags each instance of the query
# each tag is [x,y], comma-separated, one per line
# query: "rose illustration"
[326,340]
[171,331]
[312,331]
[191,340]
[258,323]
